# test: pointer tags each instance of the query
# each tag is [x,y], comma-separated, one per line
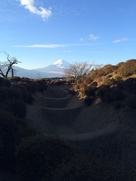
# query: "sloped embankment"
[56,112]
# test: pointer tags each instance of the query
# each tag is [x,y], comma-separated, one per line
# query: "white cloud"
[93,37]
[81,39]
[42,46]
[30,5]
[52,45]
[120,40]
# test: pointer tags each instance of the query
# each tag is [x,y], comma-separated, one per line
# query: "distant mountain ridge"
[54,70]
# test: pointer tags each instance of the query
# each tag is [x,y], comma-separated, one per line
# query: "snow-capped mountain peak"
[61,63]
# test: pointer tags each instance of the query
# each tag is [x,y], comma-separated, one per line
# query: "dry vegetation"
[47,133]
[109,83]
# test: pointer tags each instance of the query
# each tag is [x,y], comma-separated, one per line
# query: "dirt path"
[56,112]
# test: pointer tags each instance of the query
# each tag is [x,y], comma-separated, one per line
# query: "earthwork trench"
[56,112]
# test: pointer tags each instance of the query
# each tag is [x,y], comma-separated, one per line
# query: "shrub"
[8,139]
[88,80]
[39,156]
[15,79]
[103,92]
[109,69]
[7,83]
[76,87]
[128,68]
[26,95]
[101,72]
[109,81]
[93,74]
[93,85]
[2,82]
[90,92]
[88,168]
[88,101]
[12,93]
[16,107]
[117,78]
[3,94]
[120,64]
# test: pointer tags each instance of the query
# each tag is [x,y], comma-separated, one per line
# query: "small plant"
[109,81]
[117,78]
[88,80]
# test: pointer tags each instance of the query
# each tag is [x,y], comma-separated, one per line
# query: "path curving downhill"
[56,112]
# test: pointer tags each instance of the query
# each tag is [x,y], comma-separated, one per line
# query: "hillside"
[70,129]
[106,130]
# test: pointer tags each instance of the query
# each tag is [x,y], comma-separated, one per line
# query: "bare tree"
[7,66]
[77,69]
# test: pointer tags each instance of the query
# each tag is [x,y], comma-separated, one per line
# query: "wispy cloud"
[41,46]
[93,37]
[52,45]
[120,40]
[81,39]
[30,5]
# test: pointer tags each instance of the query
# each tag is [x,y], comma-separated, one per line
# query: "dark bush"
[26,95]
[87,168]
[103,92]
[88,101]
[3,94]
[90,92]
[2,82]
[16,107]
[7,83]
[12,93]
[8,139]
[39,156]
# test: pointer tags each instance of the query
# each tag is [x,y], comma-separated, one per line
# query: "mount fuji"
[54,70]
[57,67]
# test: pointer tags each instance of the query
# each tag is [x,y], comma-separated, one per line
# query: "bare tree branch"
[6,66]
[77,69]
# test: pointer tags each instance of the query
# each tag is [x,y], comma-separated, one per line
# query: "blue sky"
[39,32]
